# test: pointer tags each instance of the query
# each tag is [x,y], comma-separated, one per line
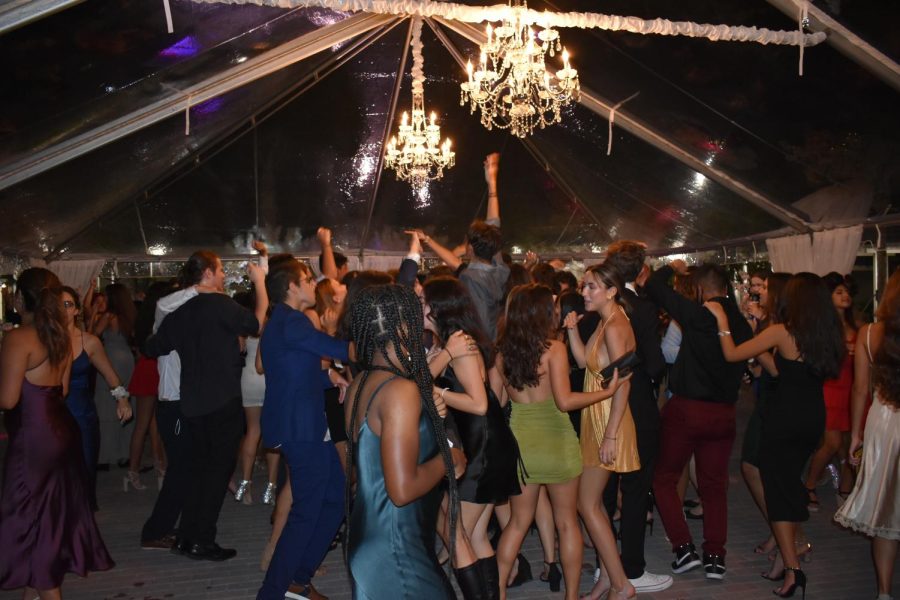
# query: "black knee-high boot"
[491,576]
[471,582]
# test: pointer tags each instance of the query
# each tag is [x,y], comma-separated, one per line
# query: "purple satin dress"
[47,527]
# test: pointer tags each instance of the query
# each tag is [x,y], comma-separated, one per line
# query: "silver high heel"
[269,495]
[242,494]
[134,480]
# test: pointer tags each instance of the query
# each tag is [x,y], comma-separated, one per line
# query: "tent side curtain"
[819,253]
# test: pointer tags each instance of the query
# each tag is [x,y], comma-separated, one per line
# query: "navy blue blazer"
[292,350]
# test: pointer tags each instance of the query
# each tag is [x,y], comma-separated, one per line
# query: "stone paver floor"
[840,568]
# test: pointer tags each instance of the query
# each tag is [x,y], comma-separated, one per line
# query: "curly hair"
[385,317]
[522,342]
[886,367]
[807,312]
[452,310]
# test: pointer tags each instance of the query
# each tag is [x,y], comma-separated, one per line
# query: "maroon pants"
[706,430]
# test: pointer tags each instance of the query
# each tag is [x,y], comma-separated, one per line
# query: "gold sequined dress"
[595,417]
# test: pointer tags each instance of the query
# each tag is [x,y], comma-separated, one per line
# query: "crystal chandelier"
[414,152]
[511,86]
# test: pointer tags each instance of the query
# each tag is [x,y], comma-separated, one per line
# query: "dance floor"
[840,567]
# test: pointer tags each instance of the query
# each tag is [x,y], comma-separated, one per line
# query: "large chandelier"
[511,86]
[414,152]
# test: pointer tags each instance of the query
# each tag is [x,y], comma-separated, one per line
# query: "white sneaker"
[650,582]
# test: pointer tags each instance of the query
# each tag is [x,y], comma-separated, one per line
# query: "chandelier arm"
[582,20]
[392,112]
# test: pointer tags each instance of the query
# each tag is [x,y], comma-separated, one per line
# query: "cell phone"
[754,298]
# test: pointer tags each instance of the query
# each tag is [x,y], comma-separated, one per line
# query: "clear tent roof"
[299,148]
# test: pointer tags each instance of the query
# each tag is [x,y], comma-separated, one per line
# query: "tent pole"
[286,54]
[232,135]
[384,139]
[602,107]
[17,13]
[846,42]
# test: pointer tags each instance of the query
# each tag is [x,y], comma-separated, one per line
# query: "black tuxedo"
[642,400]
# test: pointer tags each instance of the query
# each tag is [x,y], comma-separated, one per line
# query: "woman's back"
[391,548]
[533,394]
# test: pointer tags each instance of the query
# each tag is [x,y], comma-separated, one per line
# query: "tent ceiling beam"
[16,13]
[392,111]
[594,102]
[846,42]
[528,143]
[179,101]
[206,152]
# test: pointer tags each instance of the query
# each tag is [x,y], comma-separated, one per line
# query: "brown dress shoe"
[303,592]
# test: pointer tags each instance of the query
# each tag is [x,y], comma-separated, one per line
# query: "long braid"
[387,316]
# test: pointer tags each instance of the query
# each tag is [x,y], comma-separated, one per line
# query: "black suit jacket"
[645,381]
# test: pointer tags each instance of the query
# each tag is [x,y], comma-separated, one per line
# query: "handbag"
[625,364]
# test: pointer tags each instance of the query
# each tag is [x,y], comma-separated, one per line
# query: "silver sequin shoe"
[242,494]
[269,495]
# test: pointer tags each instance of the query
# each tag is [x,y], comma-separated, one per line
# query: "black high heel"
[553,576]
[799,582]
[523,573]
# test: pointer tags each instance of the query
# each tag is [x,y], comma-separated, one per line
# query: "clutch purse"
[625,364]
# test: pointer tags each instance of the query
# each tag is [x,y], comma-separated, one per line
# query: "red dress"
[837,393]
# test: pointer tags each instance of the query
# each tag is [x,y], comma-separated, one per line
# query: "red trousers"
[705,430]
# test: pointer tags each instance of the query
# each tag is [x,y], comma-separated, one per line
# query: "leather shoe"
[211,551]
[180,545]
[304,592]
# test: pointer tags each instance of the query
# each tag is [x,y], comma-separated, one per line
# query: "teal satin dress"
[391,548]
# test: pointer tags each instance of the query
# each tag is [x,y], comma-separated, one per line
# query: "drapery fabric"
[478,14]
[77,274]
[821,253]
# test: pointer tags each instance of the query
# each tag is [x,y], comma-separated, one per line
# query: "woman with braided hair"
[398,447]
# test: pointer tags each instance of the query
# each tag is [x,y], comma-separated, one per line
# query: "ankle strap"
[795,569]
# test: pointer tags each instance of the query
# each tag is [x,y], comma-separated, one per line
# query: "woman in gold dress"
[608,438]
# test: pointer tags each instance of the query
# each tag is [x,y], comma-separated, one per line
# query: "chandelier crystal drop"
[511,85]
[415,153]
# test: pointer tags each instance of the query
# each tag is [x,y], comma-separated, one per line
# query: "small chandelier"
[414,152]
[511,86]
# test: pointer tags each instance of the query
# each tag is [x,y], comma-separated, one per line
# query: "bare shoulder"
[91,342]
[20,338]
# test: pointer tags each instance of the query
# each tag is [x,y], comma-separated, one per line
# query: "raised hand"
[324,236]
[260,246]
[491,167]
[571,319]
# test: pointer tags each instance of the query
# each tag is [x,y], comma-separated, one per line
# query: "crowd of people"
[409,411]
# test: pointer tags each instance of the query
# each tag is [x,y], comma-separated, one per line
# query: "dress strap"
[868,347]
[39,364]
[375,393]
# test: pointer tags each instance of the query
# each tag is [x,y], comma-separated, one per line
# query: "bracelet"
[724,333]
[606,437]
[448,354]
[442,392]
[119,392]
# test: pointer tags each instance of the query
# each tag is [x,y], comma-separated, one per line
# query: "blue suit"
[293,419]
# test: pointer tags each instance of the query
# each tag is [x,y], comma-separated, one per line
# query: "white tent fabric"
[77,274]
[820,253]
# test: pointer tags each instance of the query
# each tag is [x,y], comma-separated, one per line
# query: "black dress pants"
[173,430]
[636,488]
[214,443]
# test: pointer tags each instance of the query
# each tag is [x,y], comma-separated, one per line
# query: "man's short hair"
[712,278]
[281,275]
[339,261]
[627,257]
[565,277]
[485,239]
